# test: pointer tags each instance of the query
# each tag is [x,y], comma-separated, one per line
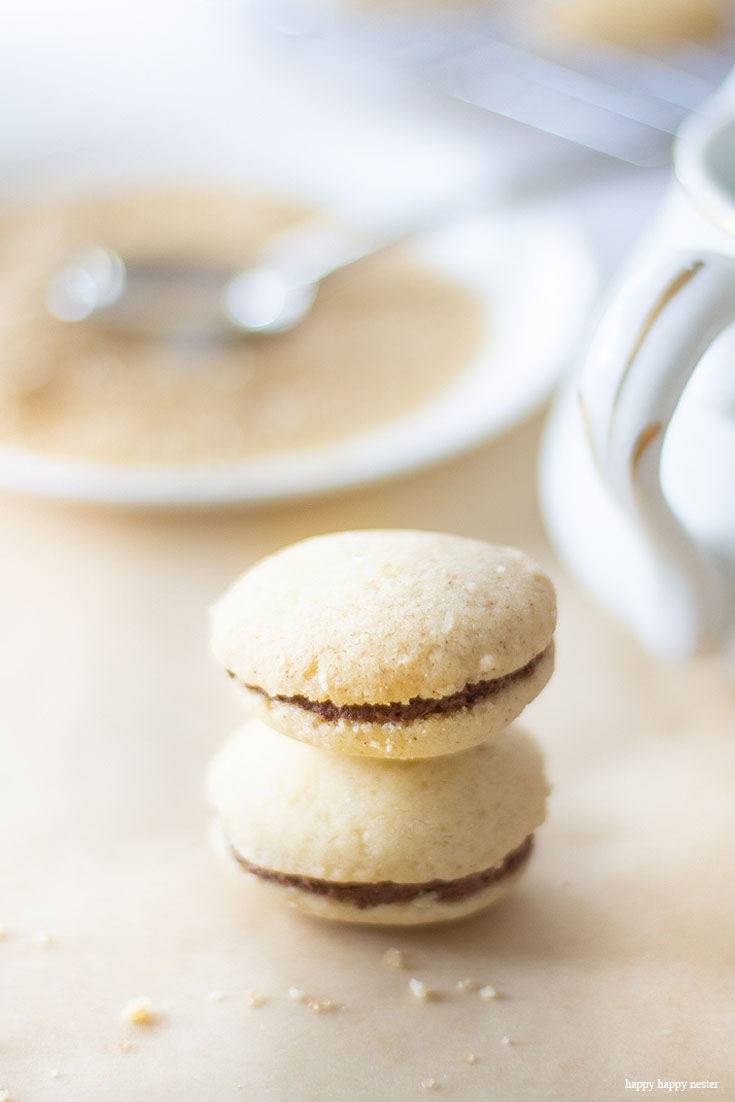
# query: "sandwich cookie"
[375,841]
[389,643]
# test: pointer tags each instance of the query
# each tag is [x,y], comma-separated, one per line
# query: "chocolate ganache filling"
[401,712]
[363,895]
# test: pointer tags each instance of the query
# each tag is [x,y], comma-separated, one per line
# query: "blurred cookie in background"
[633,24]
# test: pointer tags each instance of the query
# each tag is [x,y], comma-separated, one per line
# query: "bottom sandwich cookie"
[375,841]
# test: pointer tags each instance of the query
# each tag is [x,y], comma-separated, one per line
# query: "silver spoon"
[171,298]
[276,292]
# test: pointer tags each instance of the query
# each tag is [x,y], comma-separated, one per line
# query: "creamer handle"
[645,350]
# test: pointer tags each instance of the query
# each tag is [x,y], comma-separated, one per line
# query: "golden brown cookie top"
[383,617]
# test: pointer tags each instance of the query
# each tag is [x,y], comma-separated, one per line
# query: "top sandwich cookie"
[389,643]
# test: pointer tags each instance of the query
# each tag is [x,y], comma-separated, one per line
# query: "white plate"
[531,270]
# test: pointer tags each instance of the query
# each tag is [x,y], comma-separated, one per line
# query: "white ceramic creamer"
[637,465]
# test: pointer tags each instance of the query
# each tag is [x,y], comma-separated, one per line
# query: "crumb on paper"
[44,938]
[487,992]
[322,1006]
[469,1058]
[5,1096]
[217,995]
[420,990]
[429,1084]
[506,1041]
[467,985]
[394,958]
[317,1006]
[54,1073]
[254,998]
[3,931]
[139,1011]
[125,1044]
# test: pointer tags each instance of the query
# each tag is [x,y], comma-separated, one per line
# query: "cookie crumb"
[54,1073]
[467,985]
[3,931]
[138,1011]
[125,1044]
[317,1006]
[254,998]
[469,1058]
[420,990]
[320,1006]
[216,996]
[487,992]
[429,1084]
[43,938]
[394,958]
[506,1041]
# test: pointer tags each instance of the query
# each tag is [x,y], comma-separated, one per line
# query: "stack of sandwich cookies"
[395,662]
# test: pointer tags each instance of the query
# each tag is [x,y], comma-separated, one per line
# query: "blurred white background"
[82,75]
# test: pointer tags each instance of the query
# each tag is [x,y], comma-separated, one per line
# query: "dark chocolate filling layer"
[415,708]
[388,891]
